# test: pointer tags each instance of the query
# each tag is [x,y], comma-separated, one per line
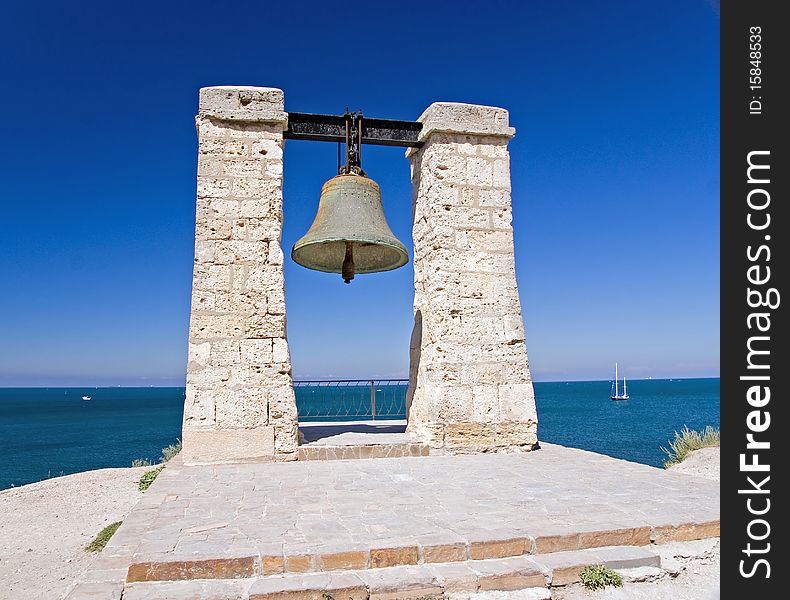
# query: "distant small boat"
[86,397]
[616,395]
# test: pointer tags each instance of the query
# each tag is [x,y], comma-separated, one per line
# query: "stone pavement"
[263,519]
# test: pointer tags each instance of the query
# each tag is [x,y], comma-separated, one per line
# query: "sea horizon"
[300,379]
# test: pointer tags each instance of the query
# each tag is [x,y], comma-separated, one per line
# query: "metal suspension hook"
[353,127]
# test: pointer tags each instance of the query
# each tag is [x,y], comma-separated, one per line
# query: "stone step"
[213,561]
[406,581]
[357,451]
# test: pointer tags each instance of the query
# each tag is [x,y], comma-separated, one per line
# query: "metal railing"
[351,399]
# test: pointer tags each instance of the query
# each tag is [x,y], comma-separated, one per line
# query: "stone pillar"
[470,387]
[239,396]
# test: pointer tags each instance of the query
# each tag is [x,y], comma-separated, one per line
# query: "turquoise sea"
[46,432]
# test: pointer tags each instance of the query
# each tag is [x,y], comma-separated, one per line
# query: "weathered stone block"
[256,351]
[516,400]
[265,326]
[546,544]
[199,353]
[471,435]
[444,553]
[205,446]
[263,277]
[244,167]
[264,229]
[350,559]
[509,574]
[212,229]
[458,118]
[237,252]
[272,564]
[210,377]
[216,326]
[222,208]
[501,173]
[486,404]
[255,208]
[495,242]
[494,197]
[498,548]
[243,409]
[213,187]
[393,556]
[631,536]
[271,149]
[199,408]
[685,532]
[224,147]
[259,188]
[212,277]
[242,303]
[479,171]
[299,563]
[243,103]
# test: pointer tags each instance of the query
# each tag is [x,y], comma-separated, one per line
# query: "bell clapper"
[348,264]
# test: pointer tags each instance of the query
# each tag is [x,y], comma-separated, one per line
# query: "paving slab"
[562,568]
[228,521]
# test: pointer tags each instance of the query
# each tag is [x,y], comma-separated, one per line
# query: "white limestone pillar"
[470,387]
[239,395]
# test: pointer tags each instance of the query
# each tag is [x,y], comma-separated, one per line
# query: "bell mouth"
[369,256]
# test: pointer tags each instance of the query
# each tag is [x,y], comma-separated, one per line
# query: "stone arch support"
[469,384]
[239,393]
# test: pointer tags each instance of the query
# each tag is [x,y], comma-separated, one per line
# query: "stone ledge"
[243,103]
[628,536]
[459,118]
[209,568]
[685,532]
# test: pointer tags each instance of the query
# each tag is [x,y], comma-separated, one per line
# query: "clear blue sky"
[615,172]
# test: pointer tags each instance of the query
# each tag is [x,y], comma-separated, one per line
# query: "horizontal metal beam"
[332,128]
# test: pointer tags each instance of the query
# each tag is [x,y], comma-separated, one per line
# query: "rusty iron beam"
[332,128]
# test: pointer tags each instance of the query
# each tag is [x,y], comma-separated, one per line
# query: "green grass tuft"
[597,577]
[687,441]
[141,462]
[148,478]
[100,541]
[170,451]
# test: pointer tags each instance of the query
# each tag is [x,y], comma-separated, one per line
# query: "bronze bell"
[350,233]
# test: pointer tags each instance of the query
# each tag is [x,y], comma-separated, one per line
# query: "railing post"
[372,400]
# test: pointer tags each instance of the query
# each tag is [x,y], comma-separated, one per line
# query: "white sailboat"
[616,395]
